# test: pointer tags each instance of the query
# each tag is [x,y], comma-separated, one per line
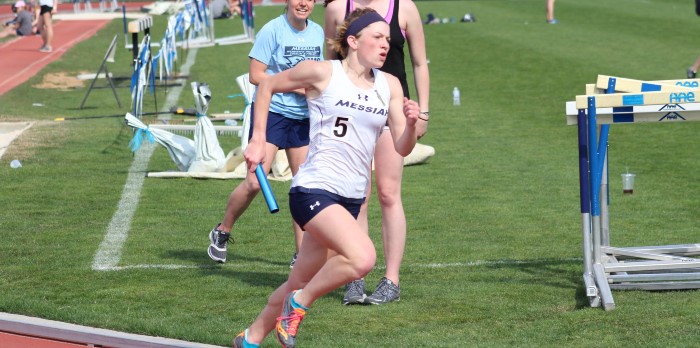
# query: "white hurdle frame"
[209,40]
[664,267]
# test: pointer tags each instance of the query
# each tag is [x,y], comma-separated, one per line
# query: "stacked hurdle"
[113,6]
[613,100]
[203,27]
[248,20]
[145,64]
[135,27]
[191,27]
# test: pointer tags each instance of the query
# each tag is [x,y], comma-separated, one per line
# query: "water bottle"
[455,97]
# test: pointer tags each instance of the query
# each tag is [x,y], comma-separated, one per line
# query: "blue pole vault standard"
[583,176]
[266,190]
[585,191]
[596,159]
[596,154]
[592,158]
[251,18]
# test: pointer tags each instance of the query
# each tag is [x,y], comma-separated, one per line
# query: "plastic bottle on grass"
[455,97]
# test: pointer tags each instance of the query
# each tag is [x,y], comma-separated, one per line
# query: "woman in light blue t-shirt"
[280,45]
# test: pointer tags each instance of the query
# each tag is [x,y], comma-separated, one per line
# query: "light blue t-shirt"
[281,47]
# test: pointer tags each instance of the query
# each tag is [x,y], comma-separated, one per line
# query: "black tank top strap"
[394,63]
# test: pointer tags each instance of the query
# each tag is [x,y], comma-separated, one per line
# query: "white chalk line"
[259,265]
[109,253]
[110,250]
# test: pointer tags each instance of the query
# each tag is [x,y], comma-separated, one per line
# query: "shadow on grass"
[200,256]
[553,273]
[277,274]
[254,278]
[550,273]
[582,301]
[117,145]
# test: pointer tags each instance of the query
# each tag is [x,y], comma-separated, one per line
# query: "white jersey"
[345,123]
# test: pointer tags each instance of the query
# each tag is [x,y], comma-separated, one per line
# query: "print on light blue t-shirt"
[281,47]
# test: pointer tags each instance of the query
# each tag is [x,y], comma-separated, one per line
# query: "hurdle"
[76,6]
[145,63]
[248,22]
[142,76]
[208,40]
[109,57]
[114,6]
[664,267]
[241,131]
[134,28]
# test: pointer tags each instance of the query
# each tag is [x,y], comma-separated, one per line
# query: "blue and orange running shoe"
[288,323]
[241,342]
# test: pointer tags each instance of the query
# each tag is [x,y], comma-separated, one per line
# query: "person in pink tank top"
[405,27]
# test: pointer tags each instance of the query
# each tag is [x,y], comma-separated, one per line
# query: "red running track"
[20,341]
[20,58]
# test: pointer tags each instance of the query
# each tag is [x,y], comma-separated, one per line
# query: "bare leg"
[296,157]
[355,292]
[235,8]
[363,217]
[337,230]
[335,250]
[388,167]
[8,31]
[696,65]
[245,192]
[47,32]
[311,258]
[550,10]
[41,26]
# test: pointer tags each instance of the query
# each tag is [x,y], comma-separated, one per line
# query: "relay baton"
[266,190]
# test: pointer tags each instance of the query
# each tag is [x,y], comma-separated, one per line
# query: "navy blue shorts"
[45,9]
[305,203]
[283,132]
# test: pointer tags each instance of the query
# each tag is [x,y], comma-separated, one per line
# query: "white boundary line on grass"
[260,265]
[110,250]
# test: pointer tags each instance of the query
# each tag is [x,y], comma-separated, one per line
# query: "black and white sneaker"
[217,248]
[690,73]
[354,292]
[385,292]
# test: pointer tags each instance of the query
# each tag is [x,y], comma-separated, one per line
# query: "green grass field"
[494,250]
